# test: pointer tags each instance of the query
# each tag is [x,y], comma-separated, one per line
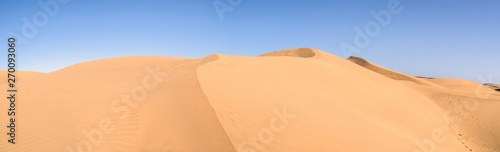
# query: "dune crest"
[386,72]
[300,52]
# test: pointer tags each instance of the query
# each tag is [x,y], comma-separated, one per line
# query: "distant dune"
[297,100]
[495,87]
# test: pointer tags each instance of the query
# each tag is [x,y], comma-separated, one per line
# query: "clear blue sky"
[452,39]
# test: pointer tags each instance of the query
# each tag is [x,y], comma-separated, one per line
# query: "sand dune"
[21,75]
[295,100]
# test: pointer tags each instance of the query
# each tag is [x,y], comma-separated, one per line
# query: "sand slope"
[293,100]
[457,84]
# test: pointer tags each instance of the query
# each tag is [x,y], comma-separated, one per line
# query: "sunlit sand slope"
[141,109]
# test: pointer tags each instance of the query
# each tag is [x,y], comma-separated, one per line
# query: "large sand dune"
[297,100]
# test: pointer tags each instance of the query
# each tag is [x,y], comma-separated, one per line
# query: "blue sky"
[444,39]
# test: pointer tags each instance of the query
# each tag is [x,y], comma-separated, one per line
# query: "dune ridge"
[300,52]
[386,72]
